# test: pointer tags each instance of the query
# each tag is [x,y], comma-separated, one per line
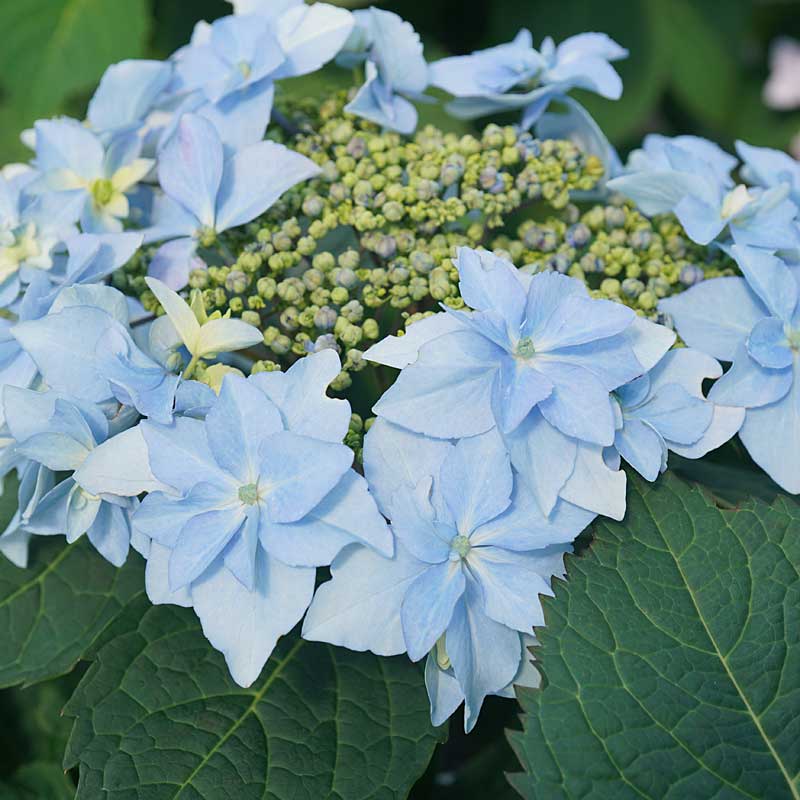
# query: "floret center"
[249,494]
[460,545]
[525,348]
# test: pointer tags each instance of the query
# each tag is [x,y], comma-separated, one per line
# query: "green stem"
[190,368]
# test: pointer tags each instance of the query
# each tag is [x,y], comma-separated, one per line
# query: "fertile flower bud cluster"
[334,261]
[617,252]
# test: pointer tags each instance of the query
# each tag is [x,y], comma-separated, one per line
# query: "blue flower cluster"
[503,435]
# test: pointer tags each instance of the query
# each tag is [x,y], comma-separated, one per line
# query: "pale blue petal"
[300,394]
[574,391]
[517,389]
[510,584]
[443,690]
[49,515]
[447,392]
[612,361]
[242,117]
[119,466]
[544,458]
[594,486]
[715,316]
[676,414]
[485,654]
[397,49]
[376,103]
[395,457]
[161,516]
[359,608]
[768,167]
[66,144]
[174,261]
[201,540]
[297,472]
[524,527]
[157,579]
[769,278]
[127,93]
[245,626]
[168,220]
[701,221]
[190,167]
[748,385]
[310,36]
[476,481]
[347,515]
[240,554]
[110,533]
[56,451]
[400,351]
[487,282]
[416,526]
[180,456]
[428,606]
[642,447]
[768,344]
[580,320]
[658,191]
[238,425]
[546,292]
[254,178]
[771,435]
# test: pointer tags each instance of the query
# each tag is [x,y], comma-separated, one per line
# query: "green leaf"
[39,780]
[52,612]
[671,657]
[157,716]
[55,48]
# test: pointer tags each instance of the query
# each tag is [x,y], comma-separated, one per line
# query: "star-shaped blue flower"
[472,555]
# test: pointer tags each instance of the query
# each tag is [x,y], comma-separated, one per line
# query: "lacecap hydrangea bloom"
[256,495]
[753,322]
[537,359]
[472,555]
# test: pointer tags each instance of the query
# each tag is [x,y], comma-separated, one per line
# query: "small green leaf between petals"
[671,657]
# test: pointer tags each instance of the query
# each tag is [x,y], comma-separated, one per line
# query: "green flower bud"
[339,295]
[252,318]
[371,329]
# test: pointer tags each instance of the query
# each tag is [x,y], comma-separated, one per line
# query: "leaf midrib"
[756,720]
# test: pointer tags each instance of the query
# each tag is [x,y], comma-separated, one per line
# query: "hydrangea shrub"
[331,394]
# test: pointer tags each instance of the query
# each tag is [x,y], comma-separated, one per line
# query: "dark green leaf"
[52,612]
[157,717]
[671,657]
[54,48]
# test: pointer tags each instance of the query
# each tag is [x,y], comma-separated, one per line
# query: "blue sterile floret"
[472,556]
[257,494]
[206,193]
[538,359]
[517,76]
[56,434]
[753,322]
[690,177]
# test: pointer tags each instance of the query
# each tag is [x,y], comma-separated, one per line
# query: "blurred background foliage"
[696,66]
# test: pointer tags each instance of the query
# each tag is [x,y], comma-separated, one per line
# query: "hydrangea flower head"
[515,75]
[260,493]
[70,157]
[537,358]
[753,322]
[207,193]
[395,66]
[472,556]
